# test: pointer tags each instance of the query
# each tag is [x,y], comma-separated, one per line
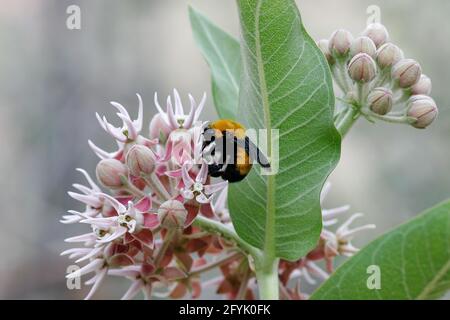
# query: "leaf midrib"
[269,244]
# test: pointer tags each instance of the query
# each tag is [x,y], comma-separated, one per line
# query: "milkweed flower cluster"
[377,78]
[148,193]
[141,209]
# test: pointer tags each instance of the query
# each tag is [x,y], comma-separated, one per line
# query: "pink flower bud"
[406,72]
[140,160]
[380,100]
[110,171]
[363,45]
[324,46]
[423,86]
[340,42]
[172,214]
[159,128]
[422,108]
[388,55]
[377,32]
[362,68]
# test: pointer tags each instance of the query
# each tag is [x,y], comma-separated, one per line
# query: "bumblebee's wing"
[253,151]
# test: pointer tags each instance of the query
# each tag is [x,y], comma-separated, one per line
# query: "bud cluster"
[377,79]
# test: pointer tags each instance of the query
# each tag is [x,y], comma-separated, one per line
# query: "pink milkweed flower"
[89,196]
[197,192]
[177,119]
[128,133]
[130,129]
[339,242]
[100,260]
[198,189]
[331,243]
[144,276]
[220,208]
[184,147]
[329,215]
[136,275]
[131,223]
[179,147]
[304,268]
[335,243]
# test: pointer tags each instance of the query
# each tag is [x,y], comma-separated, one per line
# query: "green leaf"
[414,262]
[286,85]
[221,51]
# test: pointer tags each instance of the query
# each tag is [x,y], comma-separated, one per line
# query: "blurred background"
[54,79]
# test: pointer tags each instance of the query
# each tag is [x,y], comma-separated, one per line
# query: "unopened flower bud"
[363,45]
[172,214]
[140,160]
[422,108]
[406,72]
[340,42]
[380,100]
[362,68]
[423,86]
[388,55]
[377,32]
[110,172]
[324,46]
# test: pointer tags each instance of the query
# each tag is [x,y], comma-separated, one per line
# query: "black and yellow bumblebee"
[228,151]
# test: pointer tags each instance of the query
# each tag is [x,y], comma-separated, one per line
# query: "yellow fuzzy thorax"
[229,125]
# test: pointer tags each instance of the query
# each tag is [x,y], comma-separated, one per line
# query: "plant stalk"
[267,278]
[217,227]
[165,245]
[214,264]
[351,115]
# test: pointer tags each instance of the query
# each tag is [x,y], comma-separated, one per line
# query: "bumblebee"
[229,152]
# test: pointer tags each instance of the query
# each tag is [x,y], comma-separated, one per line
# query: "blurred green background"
[54,79]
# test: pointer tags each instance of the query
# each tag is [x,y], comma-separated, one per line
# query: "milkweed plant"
[155,216]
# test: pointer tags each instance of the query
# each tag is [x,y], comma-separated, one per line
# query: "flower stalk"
[216,227]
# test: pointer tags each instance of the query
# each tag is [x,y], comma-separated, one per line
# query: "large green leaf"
[285,85]
[413,260]
[221,51]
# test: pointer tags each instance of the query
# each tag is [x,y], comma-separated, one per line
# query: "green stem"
[131,188]
[390,118]
[165,245]
[351,115]
[217,227]
[267,278]
[214,264]
[157,187]
[266,266]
